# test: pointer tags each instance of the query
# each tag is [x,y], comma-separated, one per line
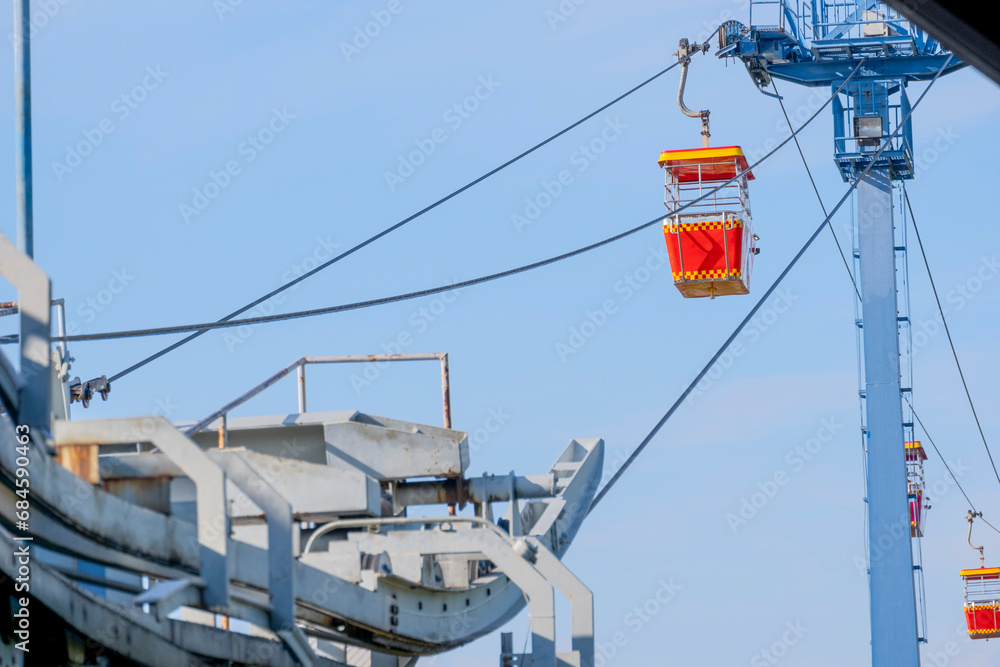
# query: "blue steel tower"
[820,43]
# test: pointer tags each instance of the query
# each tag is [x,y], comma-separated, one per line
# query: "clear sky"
[174,215]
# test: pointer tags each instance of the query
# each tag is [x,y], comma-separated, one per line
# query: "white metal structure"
[286,541]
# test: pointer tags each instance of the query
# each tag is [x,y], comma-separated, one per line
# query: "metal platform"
[295,539]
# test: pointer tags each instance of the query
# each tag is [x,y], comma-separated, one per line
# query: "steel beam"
[823,73]
[316,492]
[209,480]
[485,489]
[580,598]
[282,549]
[281,532]
[893,604]
[489,541]
[526,561]
[141,637]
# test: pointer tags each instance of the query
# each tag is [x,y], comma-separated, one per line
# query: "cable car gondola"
[915,457]
[982,595]
[711,244]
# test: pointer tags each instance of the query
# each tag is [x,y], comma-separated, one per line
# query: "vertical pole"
[22,124]
[445,390]
[893,603]
[302,387]
[63,385]
[61,325]
[506,649]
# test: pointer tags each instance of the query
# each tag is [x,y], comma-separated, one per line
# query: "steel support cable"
[156,331]
[819,197]
[940,455]
[753,311]
[947,330]
[847,266]
[850,274]
[946,466]
[399,224]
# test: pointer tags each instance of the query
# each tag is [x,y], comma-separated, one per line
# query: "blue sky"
[198,82]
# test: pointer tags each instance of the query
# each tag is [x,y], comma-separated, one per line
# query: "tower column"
[893,603]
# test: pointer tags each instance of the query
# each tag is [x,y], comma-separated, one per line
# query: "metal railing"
[982,589]
[824,20]
[678,193]
[788,16]
[299,366]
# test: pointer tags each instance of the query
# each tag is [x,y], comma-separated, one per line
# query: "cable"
[673,408]
[946,466]
[819,197]
[940,455]
[947,331]
[206,326]
[396,226]
[711,362]
[426,292]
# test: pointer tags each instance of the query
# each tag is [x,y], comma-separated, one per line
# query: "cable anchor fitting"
[970,516]
[684,53]
[84,391]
